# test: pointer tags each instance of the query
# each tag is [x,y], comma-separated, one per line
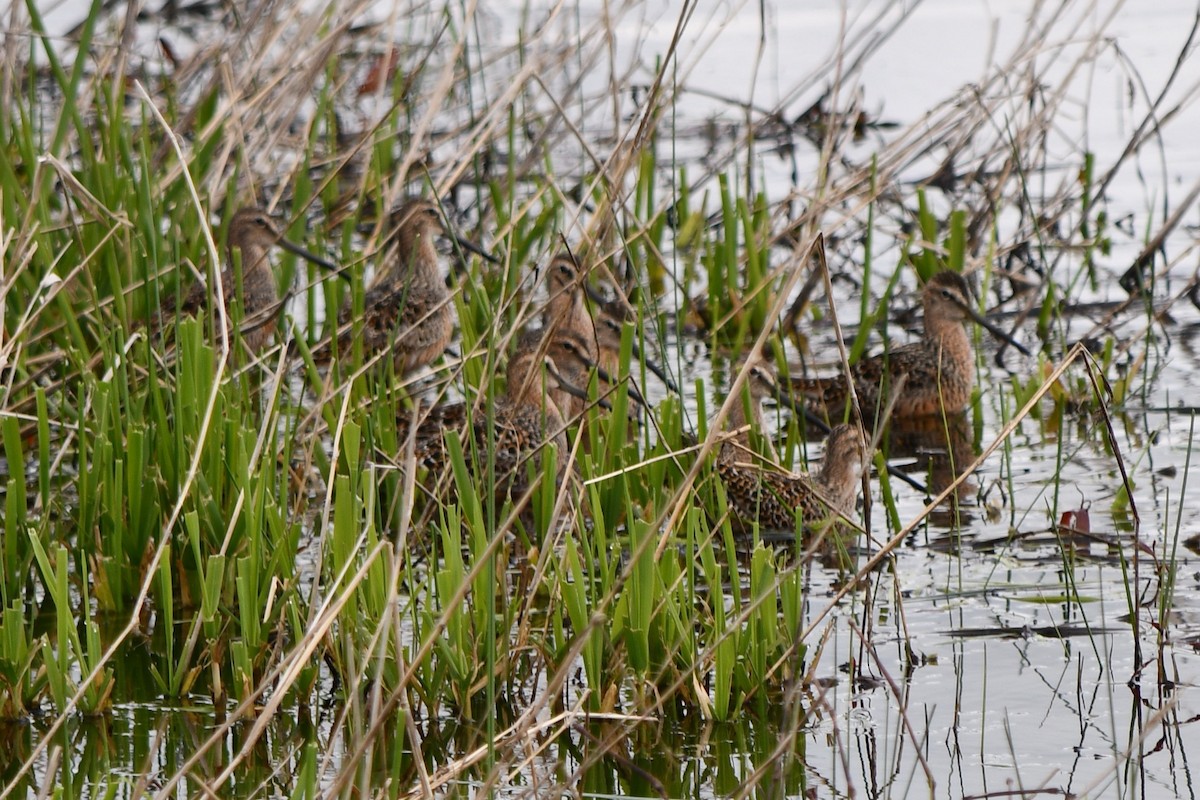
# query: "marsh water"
[999,651]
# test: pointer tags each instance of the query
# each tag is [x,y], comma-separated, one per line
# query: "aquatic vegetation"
[224,530]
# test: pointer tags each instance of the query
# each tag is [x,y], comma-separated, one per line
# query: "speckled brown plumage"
[761,493]
[772,498]
[252,232]
[522,421]
[569,352]
[938,370]
[408,307]
[566,305]
[568,334]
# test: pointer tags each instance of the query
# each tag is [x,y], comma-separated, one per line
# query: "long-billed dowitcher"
[568,334]
[570,295]
[571,357]
[253,233]
[938,371]
[408,307]
[772,497]
[566,308]
[522,421]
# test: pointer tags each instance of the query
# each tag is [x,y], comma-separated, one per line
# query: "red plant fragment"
[381,72]
[1077,521]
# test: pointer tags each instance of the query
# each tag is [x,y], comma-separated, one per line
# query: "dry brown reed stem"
[33,306]
[324,612]
[273,105]
[795,714]
[1122,760]
[1146,256]
[950,127]
[151,567]
[898,694]
[556,534]
[514,734]
[1116,317]
[885,552]
[865,42]
[843,354]
[424,124]
[669,516]
[260,442]
[482,133]
[1153,120]
[624,155]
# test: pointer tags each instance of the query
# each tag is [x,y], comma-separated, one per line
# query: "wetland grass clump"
[265,522]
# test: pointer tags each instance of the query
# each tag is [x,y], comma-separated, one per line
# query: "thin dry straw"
[1032,128]
[151,567]
[885,552]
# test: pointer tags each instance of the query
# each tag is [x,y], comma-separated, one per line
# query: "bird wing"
[389,311]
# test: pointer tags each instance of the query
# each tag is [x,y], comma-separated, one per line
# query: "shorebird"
[568,334]
[938,371]
[771,497]
[570,354]
[571,301]
[407,307]
[566,309]
[253,232]
[521,423]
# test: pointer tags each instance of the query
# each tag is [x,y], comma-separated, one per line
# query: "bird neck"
[417,256]
[949,336]
[532,387]
[742,424]
[566,312]
[527,382]
[253,255]
[839,475]
[738,418]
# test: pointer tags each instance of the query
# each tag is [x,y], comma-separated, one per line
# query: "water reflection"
[937,449]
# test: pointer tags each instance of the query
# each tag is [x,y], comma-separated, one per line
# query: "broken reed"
[272,514]
[163,462]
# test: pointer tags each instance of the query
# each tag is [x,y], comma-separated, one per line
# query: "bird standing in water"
[253,233]
[408,307]
[522,421]
[772,497]
[938,371]
[567,335]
